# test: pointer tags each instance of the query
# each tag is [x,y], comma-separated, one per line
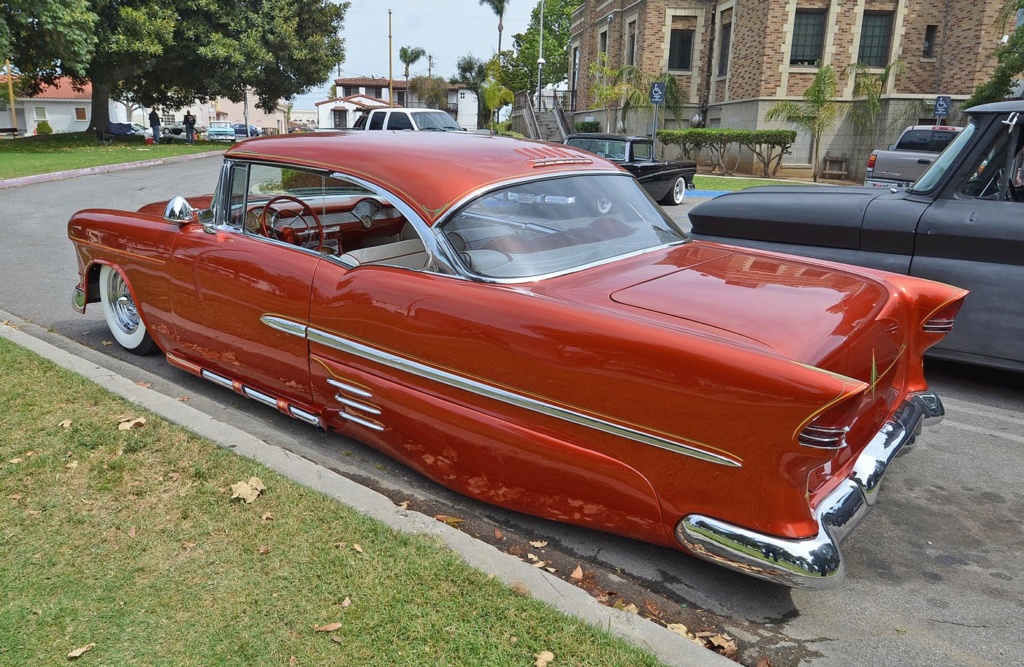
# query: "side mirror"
[179,211]
[206,219]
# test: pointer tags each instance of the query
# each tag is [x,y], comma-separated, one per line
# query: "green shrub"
[43,128]
[588,126]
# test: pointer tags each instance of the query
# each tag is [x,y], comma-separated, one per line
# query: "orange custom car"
[521,323]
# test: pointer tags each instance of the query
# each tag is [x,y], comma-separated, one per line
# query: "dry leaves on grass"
[66,423]
[543,658]
[248,491]
[577,574]
[330,627]
[128,423]
[79,651]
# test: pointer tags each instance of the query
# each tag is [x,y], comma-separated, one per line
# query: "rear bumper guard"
[814,562]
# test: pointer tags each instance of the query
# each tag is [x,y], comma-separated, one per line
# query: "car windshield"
[220,124]
[611,149]
[435,121]
[556,225]
[934,174]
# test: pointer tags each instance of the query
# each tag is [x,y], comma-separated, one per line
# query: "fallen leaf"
[246,490]
[340,545]
[577,573]
[498,535]
[357,547]
[346,603]
[330,627]
[264,549]
[628,607]
[107,343]
[543,658]
[450,520]
[15,461]
[144,385]
[404,505]
[79,651]
[16,497]
[552,570]
[764,662]
[337,640]
[257,483]
[188,545]
[33,512]
[183,399]
[539,563]
[679,629]
[652,608]
[131,532]
[66,423]
[532,557]
[29,453]
[725,644]
[267,516]
[538,544]
[292,661]
[174,476]
[130,423]
[72,465]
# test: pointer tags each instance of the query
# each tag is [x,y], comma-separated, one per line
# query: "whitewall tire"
[121,313]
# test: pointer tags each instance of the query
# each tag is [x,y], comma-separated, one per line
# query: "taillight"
[871,162]
[941,321]
[828,429]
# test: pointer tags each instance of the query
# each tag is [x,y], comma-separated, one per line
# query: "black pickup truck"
[961,223]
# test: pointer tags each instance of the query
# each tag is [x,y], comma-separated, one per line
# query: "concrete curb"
[101,169]
[667,646]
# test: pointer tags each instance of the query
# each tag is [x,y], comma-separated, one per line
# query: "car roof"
[430,171]
[603,135]
[998,107]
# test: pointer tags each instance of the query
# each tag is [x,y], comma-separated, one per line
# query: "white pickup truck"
[909,157]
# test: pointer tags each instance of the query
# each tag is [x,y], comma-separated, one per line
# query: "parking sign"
[658,92]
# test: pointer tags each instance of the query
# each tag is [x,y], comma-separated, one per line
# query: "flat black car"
[666,180]
[240,130]
[961,223]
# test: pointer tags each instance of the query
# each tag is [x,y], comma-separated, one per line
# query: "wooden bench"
[13,131]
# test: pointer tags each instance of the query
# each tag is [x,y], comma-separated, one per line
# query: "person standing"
[190,126]
[154,122]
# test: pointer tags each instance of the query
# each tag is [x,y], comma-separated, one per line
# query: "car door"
[228,278]
[973,237]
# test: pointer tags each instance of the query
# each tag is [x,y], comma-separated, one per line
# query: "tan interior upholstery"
[410,254]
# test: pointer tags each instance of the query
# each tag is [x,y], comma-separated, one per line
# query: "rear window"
[925,140]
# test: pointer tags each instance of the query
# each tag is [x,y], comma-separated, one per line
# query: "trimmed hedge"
[768,146]
[588,126]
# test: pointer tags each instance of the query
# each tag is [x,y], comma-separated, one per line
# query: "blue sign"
[942,104]
[658,92]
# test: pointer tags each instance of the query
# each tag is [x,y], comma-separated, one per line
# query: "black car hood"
[788,214]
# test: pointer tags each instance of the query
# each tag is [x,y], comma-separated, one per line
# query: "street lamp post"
[540,61]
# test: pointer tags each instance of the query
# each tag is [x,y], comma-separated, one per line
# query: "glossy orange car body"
[670,394]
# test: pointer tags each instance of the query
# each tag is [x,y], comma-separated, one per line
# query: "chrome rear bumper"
[814,562]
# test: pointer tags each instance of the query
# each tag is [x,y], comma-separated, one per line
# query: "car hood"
[788,214]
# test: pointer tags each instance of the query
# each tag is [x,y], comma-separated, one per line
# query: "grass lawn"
[128,542]
[731,183]
[28,156]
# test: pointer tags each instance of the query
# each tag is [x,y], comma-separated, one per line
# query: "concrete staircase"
[549,129]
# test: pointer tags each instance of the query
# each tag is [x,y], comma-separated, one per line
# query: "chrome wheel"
[122,315]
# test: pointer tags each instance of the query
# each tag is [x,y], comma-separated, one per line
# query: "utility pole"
[10,97]
[430,65]
[391,77]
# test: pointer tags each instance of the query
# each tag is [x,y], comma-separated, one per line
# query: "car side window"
[989,177]
[239,183]
[399,121]
[376,122]
[643,152]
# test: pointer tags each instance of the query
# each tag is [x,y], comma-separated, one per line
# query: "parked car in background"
[525,326]
[142,131]
[220,130]
[432,120]
[242,131]
[908,158]
[666,180]
[961,223]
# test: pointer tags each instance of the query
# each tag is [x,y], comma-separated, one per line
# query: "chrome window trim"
[478,388]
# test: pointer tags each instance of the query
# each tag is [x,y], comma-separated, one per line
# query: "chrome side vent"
[939,325]
[823,437]
[356,411]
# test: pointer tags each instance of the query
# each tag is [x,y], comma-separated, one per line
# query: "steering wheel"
[288,234]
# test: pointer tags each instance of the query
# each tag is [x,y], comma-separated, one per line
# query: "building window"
[339,117]
[400,97]
[808,30]
[874,39]
[602,42]
[39,112]
[80,113]
[930,33]
[376,92]
[680,50]
[725,42]
[167,118]
[631,43]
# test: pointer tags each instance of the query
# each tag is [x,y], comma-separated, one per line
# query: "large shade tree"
[519,66]
[159,52]
[46,39]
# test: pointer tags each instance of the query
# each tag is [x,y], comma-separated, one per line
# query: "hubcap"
[121,304]
[680,190]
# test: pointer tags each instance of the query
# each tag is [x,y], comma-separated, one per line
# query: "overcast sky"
[446,29]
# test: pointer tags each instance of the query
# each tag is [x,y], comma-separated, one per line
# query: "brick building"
[734,59]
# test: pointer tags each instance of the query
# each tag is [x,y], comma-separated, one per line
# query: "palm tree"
[817,114]
[409,55]
[498,7]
